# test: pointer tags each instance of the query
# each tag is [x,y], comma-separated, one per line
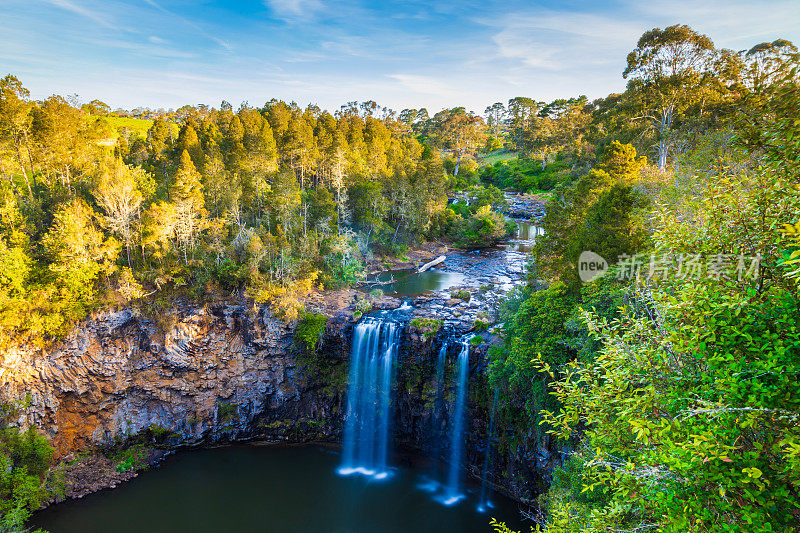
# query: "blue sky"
[413,53]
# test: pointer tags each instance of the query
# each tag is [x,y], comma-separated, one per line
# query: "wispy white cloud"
[562,40]
[69,5]
[222,43]
[730,23]
[401,53]
[293,10]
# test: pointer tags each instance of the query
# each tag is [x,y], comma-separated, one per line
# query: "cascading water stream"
[367,426]
[453,492]
[484,502]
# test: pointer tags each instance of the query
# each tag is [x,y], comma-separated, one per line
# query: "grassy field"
[498,155]
[136,126]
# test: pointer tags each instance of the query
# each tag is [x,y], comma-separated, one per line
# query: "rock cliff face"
[231,372]
[214,375]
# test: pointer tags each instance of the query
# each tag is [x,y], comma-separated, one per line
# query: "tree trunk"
[433,263]
[662,155]
[22,168]
[663,131]
[10,179]
[30,157]
[458,163]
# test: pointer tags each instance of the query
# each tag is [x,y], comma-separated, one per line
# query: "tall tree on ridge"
[668,70]
[495,114]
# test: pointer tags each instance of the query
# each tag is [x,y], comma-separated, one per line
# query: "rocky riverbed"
[526,206]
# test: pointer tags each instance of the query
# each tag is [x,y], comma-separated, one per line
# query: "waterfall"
[368,421]
[484,502]
[453,489]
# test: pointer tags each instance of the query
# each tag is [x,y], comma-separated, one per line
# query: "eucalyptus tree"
[458,131]
[495,116]
[522,112]
[119,196]
[669,71]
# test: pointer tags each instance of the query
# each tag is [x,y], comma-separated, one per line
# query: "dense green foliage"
[274,202]
[526,175]
[25,475]
[474,219]
[671,380]
[595,214]
[546,322]
[309,331]
[428,326]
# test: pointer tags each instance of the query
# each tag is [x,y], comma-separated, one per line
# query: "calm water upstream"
[408,283]
[257,489]
[525,237]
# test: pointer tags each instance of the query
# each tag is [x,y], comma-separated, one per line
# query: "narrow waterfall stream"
[453,493]
[366,432]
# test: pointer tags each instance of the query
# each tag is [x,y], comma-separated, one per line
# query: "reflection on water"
[407,282]
[525,237]
[264,489]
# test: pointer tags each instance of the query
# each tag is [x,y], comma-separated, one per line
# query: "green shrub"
[25,475]
[480,325]
[461,295]
[482,229]
[310,329]
[363,305]
[428,326]
[226,274]
[526,175]
[226,412]
[133,458]
[159,434]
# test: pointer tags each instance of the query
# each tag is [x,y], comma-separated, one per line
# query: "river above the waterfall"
[409,282]
[269,489]
[502,265]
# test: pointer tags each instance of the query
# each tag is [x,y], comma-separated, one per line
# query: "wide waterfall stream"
[366,432]
[453,492]
[365,447]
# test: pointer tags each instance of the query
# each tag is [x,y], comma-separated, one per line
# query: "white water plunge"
[453,492]
[367,426]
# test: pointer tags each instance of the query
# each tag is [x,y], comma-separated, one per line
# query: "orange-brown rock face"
[209,377]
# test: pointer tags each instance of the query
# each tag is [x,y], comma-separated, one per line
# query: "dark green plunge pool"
[253,489]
